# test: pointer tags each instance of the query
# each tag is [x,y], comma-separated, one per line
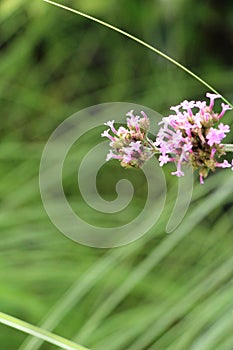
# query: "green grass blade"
[184,306]
[39,333]
[141,42]
[72,297]
[153,259]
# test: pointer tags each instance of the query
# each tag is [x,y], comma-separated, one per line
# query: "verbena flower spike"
[191,135]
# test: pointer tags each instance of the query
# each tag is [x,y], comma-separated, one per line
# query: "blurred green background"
[163,291]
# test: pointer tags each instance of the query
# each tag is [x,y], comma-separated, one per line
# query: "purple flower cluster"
[189,136]
[192,135]
[130,144]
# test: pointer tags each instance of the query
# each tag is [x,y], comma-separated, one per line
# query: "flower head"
[190,136]
[130,144]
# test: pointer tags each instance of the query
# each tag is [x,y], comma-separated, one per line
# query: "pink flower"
[187,104]
[224,109]
[175,108]
[178,173]
[225,164]
[106,134]
[213,151]
[127,158]
[191,136]
[111,155]
[215,136]
[164,160]
[136,146]
[201,180]
[133,121]
[224,128]
[111,125]
[212,97]
[201,105]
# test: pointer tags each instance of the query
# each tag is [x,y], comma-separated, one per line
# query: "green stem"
[141,42]
[228,147]
[39,333]
[156,150]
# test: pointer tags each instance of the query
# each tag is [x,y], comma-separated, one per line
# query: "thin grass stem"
[228,147]
[39,333]
[141,42]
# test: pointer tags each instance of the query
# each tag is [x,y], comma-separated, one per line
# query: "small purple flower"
[201,180]
[133,121]
[212,97]
[175,108]
[106,134]
[127,158]
[213,137]
[187,104]
[136,146]
[213,151]
[224,109]
[224,128]
[164,159]
[225,164]
[111,125]
[111,155]
[178,173]
[201,105]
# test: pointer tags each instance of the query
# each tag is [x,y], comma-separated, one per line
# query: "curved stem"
[39,333]
[141,42]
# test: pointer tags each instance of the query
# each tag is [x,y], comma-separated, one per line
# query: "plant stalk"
[141,42]
[227,147]
[39,333]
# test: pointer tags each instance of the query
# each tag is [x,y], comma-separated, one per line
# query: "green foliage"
[162,291]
